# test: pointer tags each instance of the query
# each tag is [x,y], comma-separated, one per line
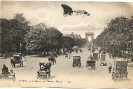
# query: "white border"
[77,0]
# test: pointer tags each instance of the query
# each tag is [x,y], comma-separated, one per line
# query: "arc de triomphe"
[89,34]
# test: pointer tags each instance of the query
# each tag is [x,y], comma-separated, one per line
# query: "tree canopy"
[118,36]
[42,38]
[13,33]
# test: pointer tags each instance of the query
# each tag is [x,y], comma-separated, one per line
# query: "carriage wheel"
[73,65]
[54,61]
[14,65]
[48,75]
[86,65]
[0,77]
[79,65]
[114,77]
[22,63]
[64,15]
[37,77]
[93,67]
[125,75]
[14,79]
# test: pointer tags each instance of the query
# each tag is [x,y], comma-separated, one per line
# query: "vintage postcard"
[61,44]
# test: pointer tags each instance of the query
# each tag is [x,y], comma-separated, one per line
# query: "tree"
[42,38]
[13,33]
[35,39]
[117,37]
[67,42]
[54,37]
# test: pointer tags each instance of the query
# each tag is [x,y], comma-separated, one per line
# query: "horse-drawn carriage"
[17,59]
[52,59]
[76,61]
[44,71]
[103,63]
[120,69]
[91,64]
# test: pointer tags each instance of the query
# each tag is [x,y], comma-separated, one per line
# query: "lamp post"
[126,50]
[20,46]
[131,50]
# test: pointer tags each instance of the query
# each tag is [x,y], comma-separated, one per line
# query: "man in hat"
[109,67]
[4,69]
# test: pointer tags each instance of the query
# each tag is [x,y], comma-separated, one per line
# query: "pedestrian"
[110,56]
[91,57]
[69,56]
[76,50]
[110,67]
[66,56]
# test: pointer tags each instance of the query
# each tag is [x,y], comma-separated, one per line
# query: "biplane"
[68,11]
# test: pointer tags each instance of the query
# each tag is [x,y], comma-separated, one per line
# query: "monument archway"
[89,36]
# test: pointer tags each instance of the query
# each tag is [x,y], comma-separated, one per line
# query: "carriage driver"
[90,57]
[4,69]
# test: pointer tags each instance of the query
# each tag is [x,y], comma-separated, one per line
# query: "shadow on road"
[122,79]
[131,65]
[19,66]
[91,69]
[52,77]
[78,66]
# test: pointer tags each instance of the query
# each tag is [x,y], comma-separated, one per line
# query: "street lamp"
[126,53]
[20,46]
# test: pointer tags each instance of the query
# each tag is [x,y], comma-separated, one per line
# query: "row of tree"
[117,38]
[18,36]
[13,33]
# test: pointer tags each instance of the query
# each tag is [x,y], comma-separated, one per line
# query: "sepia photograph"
[66,44]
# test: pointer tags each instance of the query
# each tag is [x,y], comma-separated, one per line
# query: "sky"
[51,14]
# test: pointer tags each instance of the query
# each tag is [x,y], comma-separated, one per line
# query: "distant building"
[89,34]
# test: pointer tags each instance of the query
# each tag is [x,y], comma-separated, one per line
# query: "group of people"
[67,55]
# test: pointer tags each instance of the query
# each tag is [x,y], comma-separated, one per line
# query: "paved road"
[67,75]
